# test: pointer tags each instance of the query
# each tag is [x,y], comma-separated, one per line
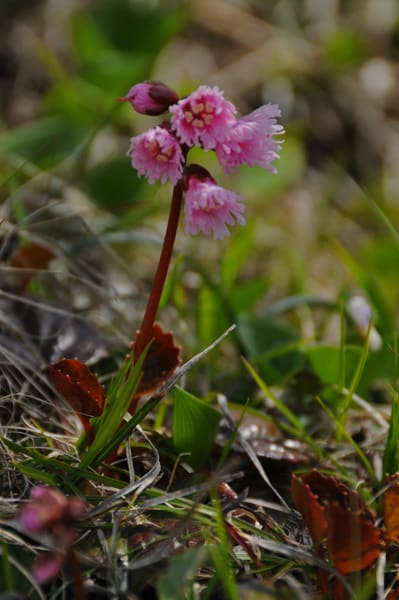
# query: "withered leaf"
[337,515]
[353,541]
[310,507]
[391,507]
[26,260]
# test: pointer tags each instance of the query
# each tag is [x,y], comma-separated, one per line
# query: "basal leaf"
[175,583]
[195,425]
[391,453]
[326,362]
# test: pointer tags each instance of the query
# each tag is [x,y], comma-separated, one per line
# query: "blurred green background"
[319,232]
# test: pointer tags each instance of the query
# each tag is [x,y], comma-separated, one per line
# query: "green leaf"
[285,410]
[275,349]
[87,39]
[379,366]
[44,142]
[240,247]
[113,184]
[211,315]
[176,583]
[117,403]
[368,281]
[326,362]
[220,553]
[172,285]
[7,571]
[68,471]
[35,474]
[391,453]
[137,26]
[259,334]
[195,425]
[345,49]
[245,295]
[290,170]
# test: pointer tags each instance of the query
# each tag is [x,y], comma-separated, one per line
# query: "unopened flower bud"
[150,97]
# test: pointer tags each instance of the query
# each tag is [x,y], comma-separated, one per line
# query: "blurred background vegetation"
[319,232]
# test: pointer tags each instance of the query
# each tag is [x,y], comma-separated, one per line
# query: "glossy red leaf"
[391,508]
[353,541]
[338,516]
[80,388]
[310,507]
[163,358]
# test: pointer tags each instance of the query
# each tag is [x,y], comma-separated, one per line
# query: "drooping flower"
[250,140]
[47,566]
[50,512]
[46,507]
[203,118]
[157,154]
[208,207]
[150,97]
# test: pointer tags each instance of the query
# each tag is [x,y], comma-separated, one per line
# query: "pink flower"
[50,512]
[47,506]
[157,154]
[250,141]
[203,118]
[47,566]
[209,208]
[150,97]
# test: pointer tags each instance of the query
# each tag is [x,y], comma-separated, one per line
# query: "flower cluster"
[50,512]
[207,120]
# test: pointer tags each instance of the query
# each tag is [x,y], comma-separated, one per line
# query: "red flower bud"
[150,97]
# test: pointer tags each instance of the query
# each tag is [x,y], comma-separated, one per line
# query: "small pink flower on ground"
[150,97]
[45,508]
[47,566]
[208,207]
[250,141]
[50,512]
[157,154]
[203,118]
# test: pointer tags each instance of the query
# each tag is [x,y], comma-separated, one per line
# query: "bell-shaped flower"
[203,118]
[50,512]
[209,208]
[157,154]
[250,141]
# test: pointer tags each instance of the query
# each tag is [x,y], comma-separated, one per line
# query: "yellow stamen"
[197,108]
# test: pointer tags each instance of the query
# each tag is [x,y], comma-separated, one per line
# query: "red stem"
[80,592]
[145,334]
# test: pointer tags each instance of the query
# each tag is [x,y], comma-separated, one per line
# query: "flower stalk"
[145,334]
[207,120]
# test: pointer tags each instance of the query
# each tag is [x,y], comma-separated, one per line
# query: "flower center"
[210,205]
[199,114]
[158,153]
